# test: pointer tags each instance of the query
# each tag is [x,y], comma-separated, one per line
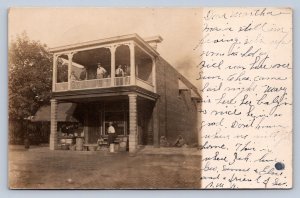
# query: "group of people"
[121,71]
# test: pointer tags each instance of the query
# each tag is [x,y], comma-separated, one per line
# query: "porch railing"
[121,81]
[101,83]
[61,86]
[87,84]
[144,84]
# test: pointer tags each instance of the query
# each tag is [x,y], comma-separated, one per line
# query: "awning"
[64,113]
[195,95]
[66,62]
[182,86]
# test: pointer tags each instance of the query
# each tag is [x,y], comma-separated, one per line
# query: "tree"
[30,76]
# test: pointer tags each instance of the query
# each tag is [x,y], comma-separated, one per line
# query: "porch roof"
[134,37]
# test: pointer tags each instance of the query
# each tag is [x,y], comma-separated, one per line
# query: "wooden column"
[54,72]
[155,117]
[133,141]
[113,65]
[70,56]
[154,74]
[86,123]
[132,64]
[53,142]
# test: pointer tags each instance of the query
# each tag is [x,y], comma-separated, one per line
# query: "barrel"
[123,146]
[112,148]
[79,144]
[117,146]
[69,141]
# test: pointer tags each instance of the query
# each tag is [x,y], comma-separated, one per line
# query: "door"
[94,125]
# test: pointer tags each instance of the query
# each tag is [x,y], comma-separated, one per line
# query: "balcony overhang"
[95,43]
[97,94]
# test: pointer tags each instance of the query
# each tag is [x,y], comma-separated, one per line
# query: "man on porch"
[111,133]
[119,71]
[101,72]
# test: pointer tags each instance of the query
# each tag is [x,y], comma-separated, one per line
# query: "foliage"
[30,76]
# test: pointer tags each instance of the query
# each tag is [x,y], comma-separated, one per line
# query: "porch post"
[113,65]
[54,72]
[133,141]
[53,143]
[86,123]
[132,64]
[154,74]
[70,56]
[155,116]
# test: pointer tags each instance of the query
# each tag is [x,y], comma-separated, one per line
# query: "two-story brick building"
[149,100]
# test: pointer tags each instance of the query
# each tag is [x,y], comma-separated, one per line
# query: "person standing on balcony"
[119,71]
[83,74]
[101,72]
[126,70]
[73,76]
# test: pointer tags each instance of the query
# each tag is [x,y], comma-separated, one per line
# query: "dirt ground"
[40,168]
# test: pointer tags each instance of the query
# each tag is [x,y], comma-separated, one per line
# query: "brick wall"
[177,111]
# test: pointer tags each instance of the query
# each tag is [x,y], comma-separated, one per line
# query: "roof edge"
[76,46]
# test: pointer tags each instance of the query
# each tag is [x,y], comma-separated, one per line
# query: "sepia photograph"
[103,98]
[150,98]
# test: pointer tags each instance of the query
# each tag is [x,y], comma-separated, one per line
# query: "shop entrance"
[119,120]
[100,114]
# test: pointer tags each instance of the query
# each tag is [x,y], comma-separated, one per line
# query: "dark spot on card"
[279,166]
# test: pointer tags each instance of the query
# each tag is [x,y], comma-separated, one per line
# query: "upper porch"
[107,63]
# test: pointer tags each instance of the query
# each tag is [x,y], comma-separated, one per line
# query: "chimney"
[153,40]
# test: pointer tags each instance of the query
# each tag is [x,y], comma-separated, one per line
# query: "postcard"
[150,98]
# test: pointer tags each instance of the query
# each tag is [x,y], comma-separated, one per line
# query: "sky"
[180,29]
